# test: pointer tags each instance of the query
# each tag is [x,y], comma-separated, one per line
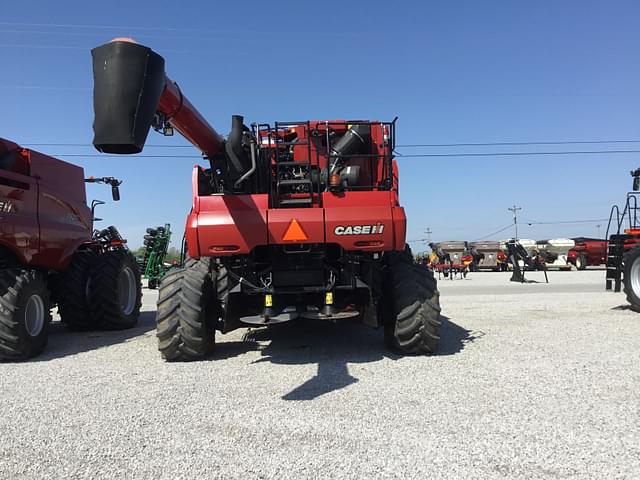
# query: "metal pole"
[428,232]
[515,209]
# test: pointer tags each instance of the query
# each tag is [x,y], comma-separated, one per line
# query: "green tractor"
[156,243]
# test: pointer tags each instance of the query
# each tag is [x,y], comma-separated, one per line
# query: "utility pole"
[515,209]
[598,227]
[428,232]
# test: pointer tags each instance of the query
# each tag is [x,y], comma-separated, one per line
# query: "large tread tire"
[631,277]
[17,287]
[581,262]
[190,302]
[115,295]
[412,325]
[73,301]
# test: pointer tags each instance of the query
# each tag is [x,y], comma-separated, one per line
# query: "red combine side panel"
[44,217]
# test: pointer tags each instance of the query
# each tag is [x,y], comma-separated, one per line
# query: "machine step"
[295,182]
[296,202]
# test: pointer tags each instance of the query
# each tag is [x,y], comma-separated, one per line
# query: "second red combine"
[291,220]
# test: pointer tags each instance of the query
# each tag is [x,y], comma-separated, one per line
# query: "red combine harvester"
[623,252]
[50,254]
[290,220]
[588,252]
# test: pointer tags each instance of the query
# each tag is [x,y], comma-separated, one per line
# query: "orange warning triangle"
[294,233]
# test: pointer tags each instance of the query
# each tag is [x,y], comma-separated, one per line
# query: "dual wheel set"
[192,300]
[97,291]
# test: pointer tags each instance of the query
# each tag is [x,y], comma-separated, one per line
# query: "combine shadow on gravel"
[64,342]
[332,347]
[453,337]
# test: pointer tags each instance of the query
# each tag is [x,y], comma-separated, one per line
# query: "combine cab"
[50,255]
[290,220]
[623,250]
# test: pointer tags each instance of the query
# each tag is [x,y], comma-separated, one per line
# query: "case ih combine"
[49,254]
[295,220]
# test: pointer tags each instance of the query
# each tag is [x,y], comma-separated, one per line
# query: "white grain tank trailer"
[455,249]
[490,254]
[556,252]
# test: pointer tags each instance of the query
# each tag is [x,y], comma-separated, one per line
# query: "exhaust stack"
[132,92]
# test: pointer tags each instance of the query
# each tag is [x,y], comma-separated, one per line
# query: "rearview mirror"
[115,193]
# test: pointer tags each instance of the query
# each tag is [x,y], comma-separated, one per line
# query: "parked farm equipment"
[50,254]
[522,260]
[492,257]
[555,252]
[623,248]
[450,259]
[587,252]
[295,220]
[156,243]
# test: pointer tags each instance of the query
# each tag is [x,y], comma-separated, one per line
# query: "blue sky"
[453,72]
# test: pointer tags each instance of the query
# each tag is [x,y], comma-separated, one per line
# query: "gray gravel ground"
[531,381]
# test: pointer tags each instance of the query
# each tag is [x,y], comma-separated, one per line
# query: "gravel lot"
[531,381]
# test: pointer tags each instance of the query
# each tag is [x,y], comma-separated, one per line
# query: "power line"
[106,27]
[494,233]
[91,145]
[102,155]
[227,32]
[397,146]
[215,36]
[603,152]
[517,154]
[567,222]
[491,144]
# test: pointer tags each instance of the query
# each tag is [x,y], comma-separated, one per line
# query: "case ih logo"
[6,207]
[359,229]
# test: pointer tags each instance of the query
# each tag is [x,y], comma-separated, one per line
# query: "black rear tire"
[412,325]
[73,301]
[115,295]
[631,263]
[190,303]
[25,314]
[581,262]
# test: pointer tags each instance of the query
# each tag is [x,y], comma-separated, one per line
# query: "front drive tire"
[412,325]
[632,278]
[189,309]
[24,314]
[115,295]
